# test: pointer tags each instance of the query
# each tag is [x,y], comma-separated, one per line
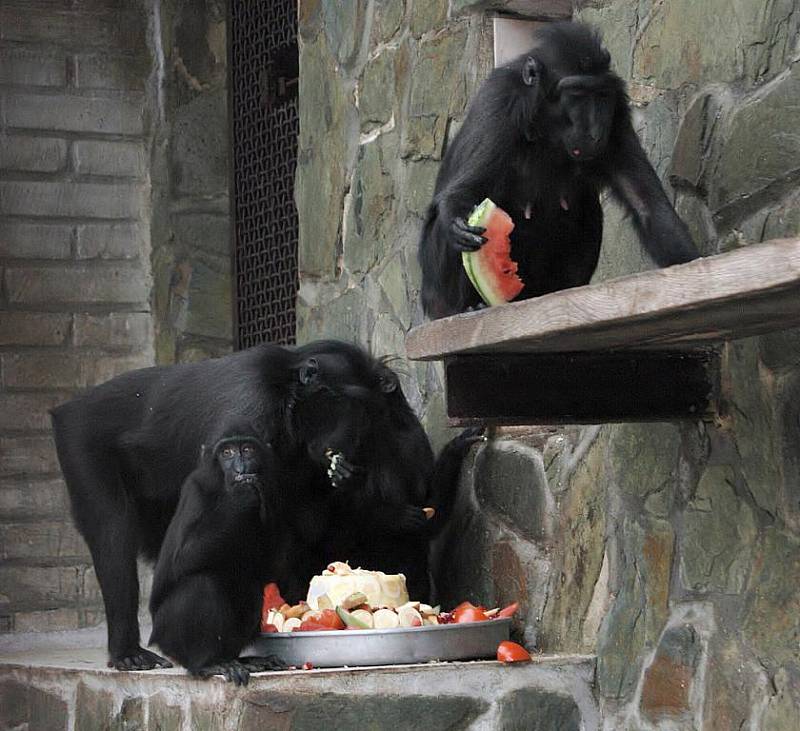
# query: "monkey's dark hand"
[233,671]
[464,237]
[412,519]
[339,469]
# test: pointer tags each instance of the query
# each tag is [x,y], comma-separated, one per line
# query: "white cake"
[339,581]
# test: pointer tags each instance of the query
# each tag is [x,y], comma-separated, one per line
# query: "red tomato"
[508,611]
[512,652]
[468,613]
[267,628]
[327,619]
[272,597]
[308,666]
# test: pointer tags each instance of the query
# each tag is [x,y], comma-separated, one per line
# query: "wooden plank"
[581,388]
[745,292]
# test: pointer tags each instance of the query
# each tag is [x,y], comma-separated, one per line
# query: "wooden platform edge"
[744,292]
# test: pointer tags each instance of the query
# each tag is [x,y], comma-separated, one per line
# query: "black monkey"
[216,557]
[126,446]
[543,136]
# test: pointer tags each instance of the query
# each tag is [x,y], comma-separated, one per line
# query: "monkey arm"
[635,183]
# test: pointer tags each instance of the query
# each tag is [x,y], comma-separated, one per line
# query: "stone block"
[428,16]
[209,311]
[344,27]
[115,159]
[334,712]
[24,67]
[668,679]
[30,498]
[552,9]
[533,709]
[206,231]
[163,716]
[510,479]
[103,71]
[108,115]
[23,706]
[67,370]
[33,154]
[205,718]
[390,14]
[41,541]
[35,240]
[84,200]
[94,709]
[720,530]
[782,707]
[34,328]
[199,146]
[81,283]
[112,241]
[420,182]
[747,173]
[132,330]
[48,620]
[26,411]
[27,455]
[122,29]
[42,584]
[376,97]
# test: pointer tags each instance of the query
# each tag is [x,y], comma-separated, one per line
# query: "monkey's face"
[240,462]
[586,115]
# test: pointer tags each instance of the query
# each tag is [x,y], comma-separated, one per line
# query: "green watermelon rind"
[480,217]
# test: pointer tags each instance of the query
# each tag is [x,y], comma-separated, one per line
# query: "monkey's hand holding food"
[490,268]
[340,470]
[466,236]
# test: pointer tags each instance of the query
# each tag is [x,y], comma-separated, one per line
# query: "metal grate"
[265,125]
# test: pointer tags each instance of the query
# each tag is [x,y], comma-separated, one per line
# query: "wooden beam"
[581,388]
[744,292]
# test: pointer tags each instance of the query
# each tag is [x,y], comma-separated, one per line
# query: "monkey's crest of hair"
[566,48]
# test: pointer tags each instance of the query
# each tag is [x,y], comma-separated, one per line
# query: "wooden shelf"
[637,348]
[744,292]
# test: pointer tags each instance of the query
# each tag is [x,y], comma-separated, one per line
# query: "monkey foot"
[260,664]
[139,659]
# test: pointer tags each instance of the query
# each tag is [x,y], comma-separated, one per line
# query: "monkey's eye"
[228,452]
[529,71]
[247,449]
[388,382]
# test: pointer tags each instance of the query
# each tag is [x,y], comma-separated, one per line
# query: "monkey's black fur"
[126,447]
[544,135]
[217,555]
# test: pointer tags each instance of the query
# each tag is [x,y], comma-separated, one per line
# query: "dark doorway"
[264,128]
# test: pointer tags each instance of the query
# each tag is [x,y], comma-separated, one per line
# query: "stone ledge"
[69,687]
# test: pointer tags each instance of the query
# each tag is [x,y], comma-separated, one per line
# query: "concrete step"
[52,686]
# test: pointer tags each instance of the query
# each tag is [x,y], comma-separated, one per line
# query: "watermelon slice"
[490,268]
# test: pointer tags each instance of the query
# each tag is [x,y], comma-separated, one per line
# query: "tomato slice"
[508,651]
[267,628]
[327,619]
[508,611]
[468,613]
[272,597]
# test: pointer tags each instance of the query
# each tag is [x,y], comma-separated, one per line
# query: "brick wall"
[113,246]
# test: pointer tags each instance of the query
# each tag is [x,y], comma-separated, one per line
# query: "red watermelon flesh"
[491,269]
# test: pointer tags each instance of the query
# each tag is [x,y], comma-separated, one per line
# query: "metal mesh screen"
[264,125]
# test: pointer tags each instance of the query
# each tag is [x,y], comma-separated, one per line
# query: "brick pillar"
[75,279]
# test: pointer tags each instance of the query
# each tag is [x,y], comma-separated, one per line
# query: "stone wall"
[113,246]
[672,551]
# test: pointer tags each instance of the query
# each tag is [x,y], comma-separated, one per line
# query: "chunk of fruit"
[324,602]
[272,597]
[508,611]
[365,616]
[508,651]
[351,620]
[466,612]
[385,619]
[298,610]
[409,617]
[354,600]
[291,624]
[276,619]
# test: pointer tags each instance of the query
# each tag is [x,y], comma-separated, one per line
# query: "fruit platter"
[355,617]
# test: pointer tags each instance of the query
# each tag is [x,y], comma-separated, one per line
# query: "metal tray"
[398,646]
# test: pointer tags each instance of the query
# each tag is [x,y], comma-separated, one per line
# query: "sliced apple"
[291,624]
[385,619]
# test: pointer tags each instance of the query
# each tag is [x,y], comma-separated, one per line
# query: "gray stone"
[376,97]
[334,712]
[33,154]
[510,479]
[34,328]
[393,283]
[543,9]
[327,121]
[90,200]
[749,175]
[78,113]
[114,330]
[199,146]
[719,532]
[781,710]
[438,92]
[28,497]
[343,318]
[40,541]
[27,455]
[93,708]
[428,16]
[529,709]
[420,182]
[209,302]
[116,159]
[35,241]
[112,241]
[127,73]
[344,27]
[390,15]
[371,216]
[163,715]
[209,232]
[29,68]
[27,411]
